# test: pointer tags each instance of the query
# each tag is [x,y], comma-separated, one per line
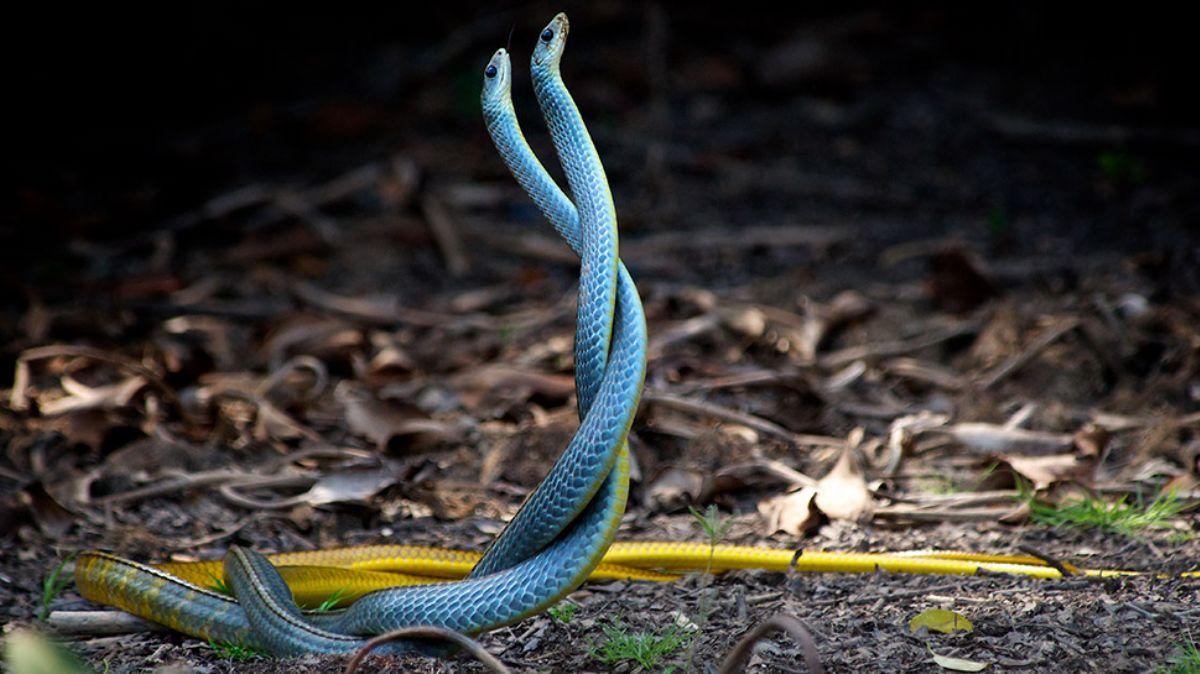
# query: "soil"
[909,161]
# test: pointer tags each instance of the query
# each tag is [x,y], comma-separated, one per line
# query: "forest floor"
[992,313]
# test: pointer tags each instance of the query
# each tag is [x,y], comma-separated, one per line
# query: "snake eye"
[490,72]
[547,35]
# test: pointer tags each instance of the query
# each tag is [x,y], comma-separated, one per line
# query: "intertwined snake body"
[560,533]
[564,529]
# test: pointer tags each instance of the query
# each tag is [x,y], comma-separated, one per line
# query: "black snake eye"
[547,35]
[490,72]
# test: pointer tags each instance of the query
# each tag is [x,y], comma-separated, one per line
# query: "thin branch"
[428,633]
[736,660]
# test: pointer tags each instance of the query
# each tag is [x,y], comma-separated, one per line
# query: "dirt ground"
[867,220]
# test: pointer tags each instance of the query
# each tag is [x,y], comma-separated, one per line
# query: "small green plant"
[998,223]
[230,651]
[331,602]
[1185,660]
[715,528]
[563,611]
[53,585]
[647,649]
[1122,516]
[1121,167]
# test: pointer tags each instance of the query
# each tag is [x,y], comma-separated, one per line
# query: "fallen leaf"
[792,513]
[356,486]
[270,422]
[674,488]
[1043,471]
[843,493]
[49,515]
[957,664]
[380,421]
[940,620]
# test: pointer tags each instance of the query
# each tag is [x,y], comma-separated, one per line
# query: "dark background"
[123,119]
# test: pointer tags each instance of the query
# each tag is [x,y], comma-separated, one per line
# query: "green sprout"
[53,585]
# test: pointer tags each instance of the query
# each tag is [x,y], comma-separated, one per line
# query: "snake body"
[561,532]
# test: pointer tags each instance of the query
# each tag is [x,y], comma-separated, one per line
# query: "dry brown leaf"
[1043,471]
[675,488]
[49,515]
[843,493]
[351,486]
[380,421]
[272,423]
[792,513]
[516,383]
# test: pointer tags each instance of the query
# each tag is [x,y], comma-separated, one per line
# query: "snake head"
[497,79]
[551,42]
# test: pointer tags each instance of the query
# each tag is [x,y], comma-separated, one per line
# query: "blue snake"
[562,530]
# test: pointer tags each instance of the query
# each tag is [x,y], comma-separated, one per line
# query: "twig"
[171,485]
[428,633]
[736,660]
[733,416]
[99,623]
[1019,360]
[72,351]
[445,232]
[1077,133]
[942,515]
[1053,562]
[848,355]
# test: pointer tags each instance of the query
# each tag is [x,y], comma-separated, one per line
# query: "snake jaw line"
[550,50]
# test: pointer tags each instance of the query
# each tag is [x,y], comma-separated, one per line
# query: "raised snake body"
[560,533]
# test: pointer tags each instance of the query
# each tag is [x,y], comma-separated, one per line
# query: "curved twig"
[428,632]
[736,660]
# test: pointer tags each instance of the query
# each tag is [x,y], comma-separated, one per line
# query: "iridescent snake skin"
[563,529]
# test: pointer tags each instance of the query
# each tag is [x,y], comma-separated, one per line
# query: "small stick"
[429,633]
[850,354]
[1022,359]
[445,232]
[733,416]
[736,660]
[73,351]
[1052,562]
[99,623]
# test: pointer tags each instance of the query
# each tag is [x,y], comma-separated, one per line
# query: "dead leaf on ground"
[50,516]
[792,513]
[843,493]
[1044,471]
[940,620]
[351,486]
[675,488]
[517,384]
[957,664]
[380,421]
